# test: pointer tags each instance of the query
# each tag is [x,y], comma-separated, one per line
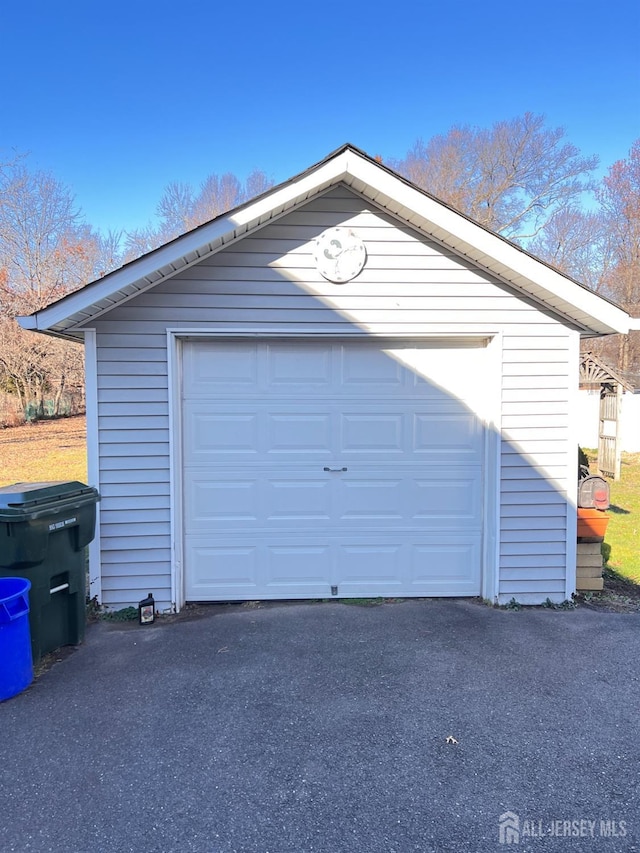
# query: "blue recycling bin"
[16,664]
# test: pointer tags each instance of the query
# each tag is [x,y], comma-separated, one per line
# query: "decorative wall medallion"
[340,255]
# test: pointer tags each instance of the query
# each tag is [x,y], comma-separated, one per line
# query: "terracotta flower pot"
[592,524]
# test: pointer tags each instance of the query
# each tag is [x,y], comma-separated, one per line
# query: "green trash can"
[44,529]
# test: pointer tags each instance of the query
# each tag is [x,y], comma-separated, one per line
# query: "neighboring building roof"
[590,313]
[594,372]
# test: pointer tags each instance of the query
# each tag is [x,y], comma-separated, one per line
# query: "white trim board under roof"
[590,313]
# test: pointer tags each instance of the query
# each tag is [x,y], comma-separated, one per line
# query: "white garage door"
[332,468]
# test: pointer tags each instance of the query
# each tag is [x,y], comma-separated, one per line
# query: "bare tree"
[46,251]
[109,255]
[619,197]
[601,248]
[575,241]
[139,241]
[512,178]
[22,363]
[181,208]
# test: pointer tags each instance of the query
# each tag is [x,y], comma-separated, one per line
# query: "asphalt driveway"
[323,727]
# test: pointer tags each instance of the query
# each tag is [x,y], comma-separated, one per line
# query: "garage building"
[342,388]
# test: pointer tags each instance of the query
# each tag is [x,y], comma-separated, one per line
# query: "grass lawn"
[46,450]
[623,533]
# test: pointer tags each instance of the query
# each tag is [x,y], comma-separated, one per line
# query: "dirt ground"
[71,429]
[619,595]
[44,450]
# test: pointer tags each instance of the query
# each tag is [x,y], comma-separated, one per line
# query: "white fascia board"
[196,243]
[492,251]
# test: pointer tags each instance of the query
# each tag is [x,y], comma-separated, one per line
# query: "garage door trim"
[491,339]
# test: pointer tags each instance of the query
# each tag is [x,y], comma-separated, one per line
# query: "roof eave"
[595,315]
[192,247]
[591,314]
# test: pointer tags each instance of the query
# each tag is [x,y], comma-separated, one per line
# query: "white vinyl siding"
[536,469]
[133,425]
[267,282]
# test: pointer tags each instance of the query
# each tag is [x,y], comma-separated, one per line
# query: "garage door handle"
[335,469]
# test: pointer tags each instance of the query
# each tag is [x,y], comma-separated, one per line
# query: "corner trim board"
[174,368]
[572,496]
[93,456]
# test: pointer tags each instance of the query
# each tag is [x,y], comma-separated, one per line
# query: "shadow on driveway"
[323,727]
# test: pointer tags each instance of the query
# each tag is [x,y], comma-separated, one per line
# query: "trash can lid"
[29,496]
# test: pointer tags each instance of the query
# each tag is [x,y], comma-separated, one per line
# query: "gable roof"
[350,166]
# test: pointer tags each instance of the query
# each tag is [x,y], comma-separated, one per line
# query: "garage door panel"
[209,370]
[312,499]
[446,374]
[450,498]
[438,434]
[290,367]
[371,563]
[299,432]
[308,467]
[220,502]
[350,370]
[299,565]
[298,499]
[372,434]
[406,369]
[446,568]
[370,499]
[229,500]
[235,570]
[224,570]
[366,368]
[212,432]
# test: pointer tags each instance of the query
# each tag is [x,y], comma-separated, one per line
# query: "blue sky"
[118,99]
